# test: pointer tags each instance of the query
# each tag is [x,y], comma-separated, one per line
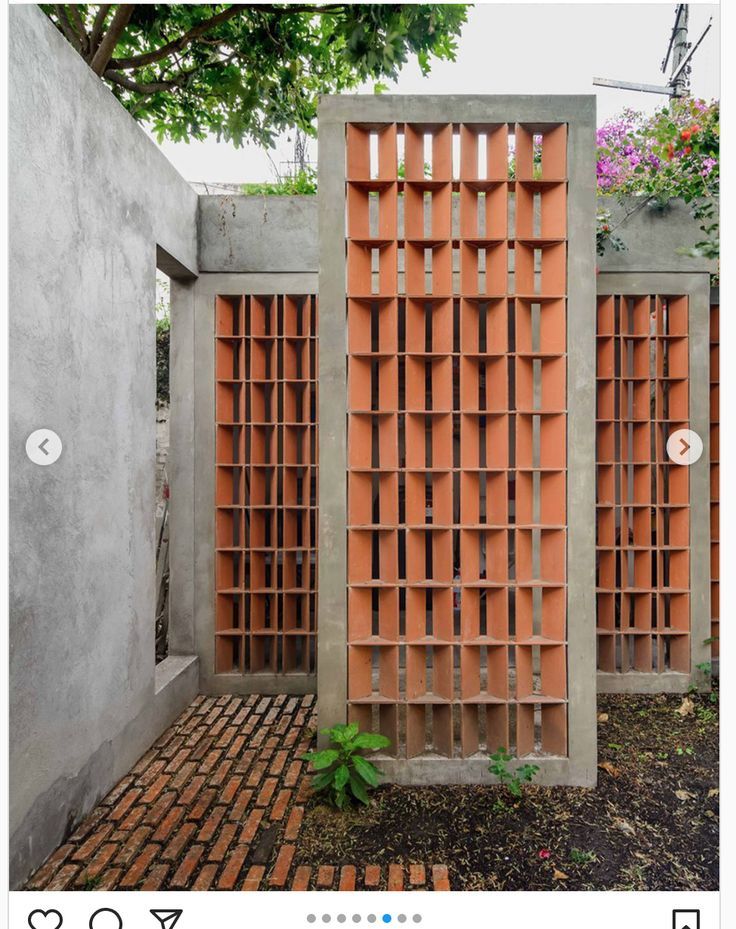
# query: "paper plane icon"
[167,918]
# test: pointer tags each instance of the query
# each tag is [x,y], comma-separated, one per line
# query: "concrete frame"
[696,285]
[192,444]
[579,766]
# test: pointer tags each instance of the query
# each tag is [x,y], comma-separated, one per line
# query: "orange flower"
[685,135]
[670,151]
[688,149]
[694,129]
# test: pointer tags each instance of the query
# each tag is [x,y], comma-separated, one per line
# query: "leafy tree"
[243,71]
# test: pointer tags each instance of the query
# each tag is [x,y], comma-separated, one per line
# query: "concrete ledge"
[642,682]
[267,684]
[173,670]
[553,771]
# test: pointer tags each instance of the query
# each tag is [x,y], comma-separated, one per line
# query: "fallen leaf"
[625,827]
[610,768]
[603,717]
[684,795]
[559,875]
[686,708]
[713,792]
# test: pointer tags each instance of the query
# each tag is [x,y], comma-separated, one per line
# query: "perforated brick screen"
[457,437]
[714,480]
[266,484]
[643,514]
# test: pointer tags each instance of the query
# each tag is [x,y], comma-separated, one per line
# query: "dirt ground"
[651,824]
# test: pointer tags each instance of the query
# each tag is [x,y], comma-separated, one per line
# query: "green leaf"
[358,790]
[366,770]
[342,776]
[342,734]
[323,780]
[371,741]
[324,758]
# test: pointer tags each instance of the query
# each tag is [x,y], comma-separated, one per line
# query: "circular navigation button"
[684,446]
[43,447]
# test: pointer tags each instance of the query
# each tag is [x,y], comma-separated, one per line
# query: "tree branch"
[97,27]
[139,61]
[66,27]
[102,56]
[79,28]
[122,81]
[179,79]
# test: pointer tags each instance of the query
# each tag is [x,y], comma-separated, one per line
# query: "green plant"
[302,183]
[163,341]
[605,234]
[580,856]
[343,773]
[684,750]
[512,779]
[672,153]
[249,71]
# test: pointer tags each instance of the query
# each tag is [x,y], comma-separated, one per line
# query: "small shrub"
[512,780]
[343,773]
[163,341]
[302,183]
[580,856]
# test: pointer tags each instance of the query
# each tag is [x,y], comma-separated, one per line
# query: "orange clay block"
[265,487]
[457,430]
[643,573]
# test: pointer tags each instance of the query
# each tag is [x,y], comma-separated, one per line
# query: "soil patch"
[651,824]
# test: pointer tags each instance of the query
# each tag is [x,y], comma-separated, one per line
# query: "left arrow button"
[43,447]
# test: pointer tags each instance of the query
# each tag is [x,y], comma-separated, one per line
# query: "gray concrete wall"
[238,233]
[652,236]
[91,199]
[256,234]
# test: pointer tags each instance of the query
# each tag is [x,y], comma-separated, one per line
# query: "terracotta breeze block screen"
[456,437]
[714,480]
[643,518]
[266,484]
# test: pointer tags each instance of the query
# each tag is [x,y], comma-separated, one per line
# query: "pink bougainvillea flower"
[544,853]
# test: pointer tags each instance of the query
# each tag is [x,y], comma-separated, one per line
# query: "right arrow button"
[684,447]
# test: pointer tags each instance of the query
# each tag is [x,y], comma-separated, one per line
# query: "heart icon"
[45,919]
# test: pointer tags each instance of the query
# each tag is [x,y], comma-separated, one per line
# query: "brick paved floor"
[215,804]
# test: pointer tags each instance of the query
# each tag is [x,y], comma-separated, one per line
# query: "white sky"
[518,48]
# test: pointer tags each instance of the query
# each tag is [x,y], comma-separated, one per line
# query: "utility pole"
[679,77]
[679,50]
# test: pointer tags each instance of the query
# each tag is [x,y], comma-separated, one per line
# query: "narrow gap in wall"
[163,330]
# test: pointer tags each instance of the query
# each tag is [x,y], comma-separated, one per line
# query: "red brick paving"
[200,808]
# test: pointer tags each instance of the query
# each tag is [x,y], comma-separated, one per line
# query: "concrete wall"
[237,234]
[652,236]
[257,234]
[91,199]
